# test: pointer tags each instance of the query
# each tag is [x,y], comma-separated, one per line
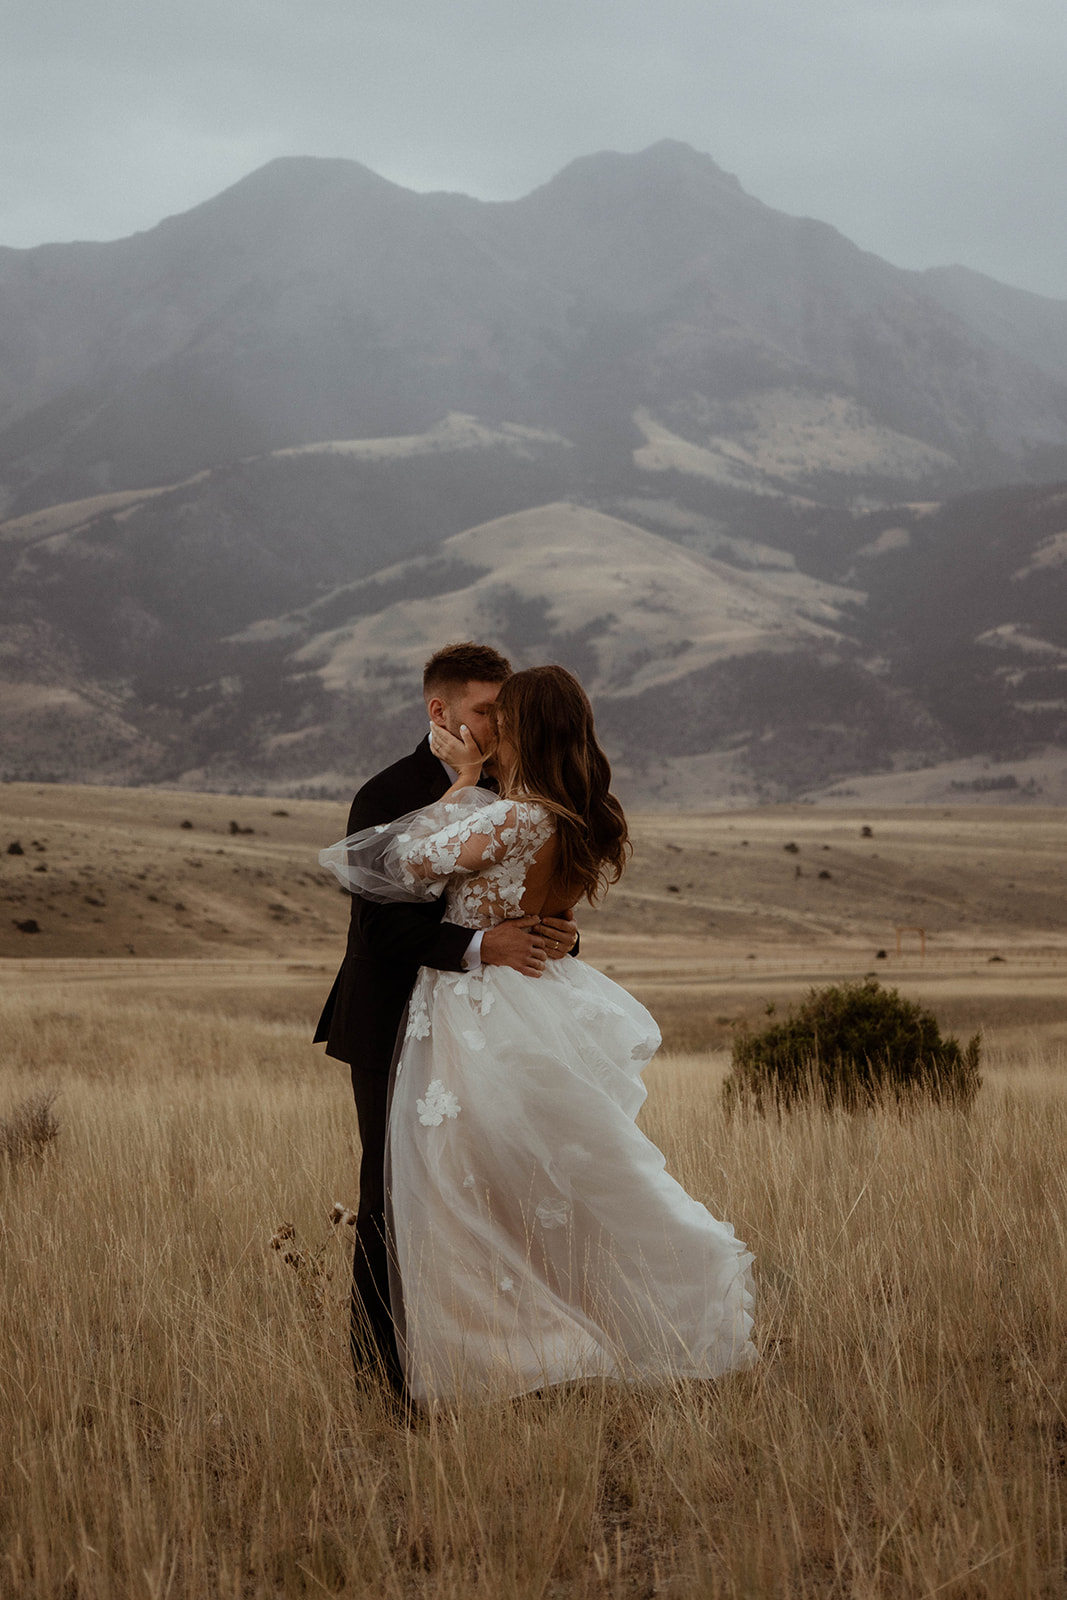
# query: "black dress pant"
[373,1343]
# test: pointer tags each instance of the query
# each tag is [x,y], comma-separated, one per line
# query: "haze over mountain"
[259,460]
[315,300]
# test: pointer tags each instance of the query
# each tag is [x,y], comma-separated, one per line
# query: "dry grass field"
[177,1413]
[718,916]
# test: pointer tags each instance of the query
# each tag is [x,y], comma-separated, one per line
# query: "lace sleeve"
[413,857]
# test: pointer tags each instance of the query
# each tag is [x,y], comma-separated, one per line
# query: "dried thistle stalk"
[312,1273]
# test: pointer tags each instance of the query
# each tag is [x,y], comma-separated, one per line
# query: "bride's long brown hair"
[545,715]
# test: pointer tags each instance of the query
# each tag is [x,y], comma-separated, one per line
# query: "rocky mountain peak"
[713,429]
[668,161]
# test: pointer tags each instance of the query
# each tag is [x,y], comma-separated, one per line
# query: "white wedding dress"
[538,1238]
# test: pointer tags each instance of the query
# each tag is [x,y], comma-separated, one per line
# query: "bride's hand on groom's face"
[459,753]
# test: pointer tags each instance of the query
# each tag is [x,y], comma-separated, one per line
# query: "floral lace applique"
[418,1012]
[437,854]
[477,987]
[645,1049]
[554,1212]
[418,1021]
[476,850]
[494,893]
[590,1008]
[438,1104]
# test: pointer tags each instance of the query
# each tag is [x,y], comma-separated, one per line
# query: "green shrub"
[852,1045]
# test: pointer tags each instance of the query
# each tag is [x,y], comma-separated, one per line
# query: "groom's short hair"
[458,664]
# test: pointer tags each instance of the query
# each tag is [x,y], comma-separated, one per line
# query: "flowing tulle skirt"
[538,1237]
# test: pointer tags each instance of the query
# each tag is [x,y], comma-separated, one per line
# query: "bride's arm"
[413,857]
[475,839]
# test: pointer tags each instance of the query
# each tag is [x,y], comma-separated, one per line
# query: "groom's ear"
[436,710]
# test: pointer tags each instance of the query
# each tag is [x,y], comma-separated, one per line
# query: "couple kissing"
[515,1229]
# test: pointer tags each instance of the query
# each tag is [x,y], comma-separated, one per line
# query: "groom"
[387,944]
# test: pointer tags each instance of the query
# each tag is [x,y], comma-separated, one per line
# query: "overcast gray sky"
[929,131]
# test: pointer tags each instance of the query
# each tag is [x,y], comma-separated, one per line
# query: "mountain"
[315,300]
[746,478]
[153,636]
[1028,325]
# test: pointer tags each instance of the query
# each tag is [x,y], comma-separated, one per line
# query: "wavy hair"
[545,715]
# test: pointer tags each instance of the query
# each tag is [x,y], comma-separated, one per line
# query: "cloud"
[927,130]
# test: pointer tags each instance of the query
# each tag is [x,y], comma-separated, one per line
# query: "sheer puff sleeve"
[413,858]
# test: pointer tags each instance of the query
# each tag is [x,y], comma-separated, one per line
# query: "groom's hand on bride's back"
[515,944]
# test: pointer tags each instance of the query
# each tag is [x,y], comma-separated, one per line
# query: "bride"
[537,1237]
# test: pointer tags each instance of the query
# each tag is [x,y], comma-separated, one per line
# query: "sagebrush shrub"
[852,1044]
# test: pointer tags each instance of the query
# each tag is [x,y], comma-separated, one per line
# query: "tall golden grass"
[178,1417]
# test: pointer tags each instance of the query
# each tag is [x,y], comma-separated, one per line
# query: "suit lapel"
[432,778]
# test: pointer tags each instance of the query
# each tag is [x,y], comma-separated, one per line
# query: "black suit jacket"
[387,944]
